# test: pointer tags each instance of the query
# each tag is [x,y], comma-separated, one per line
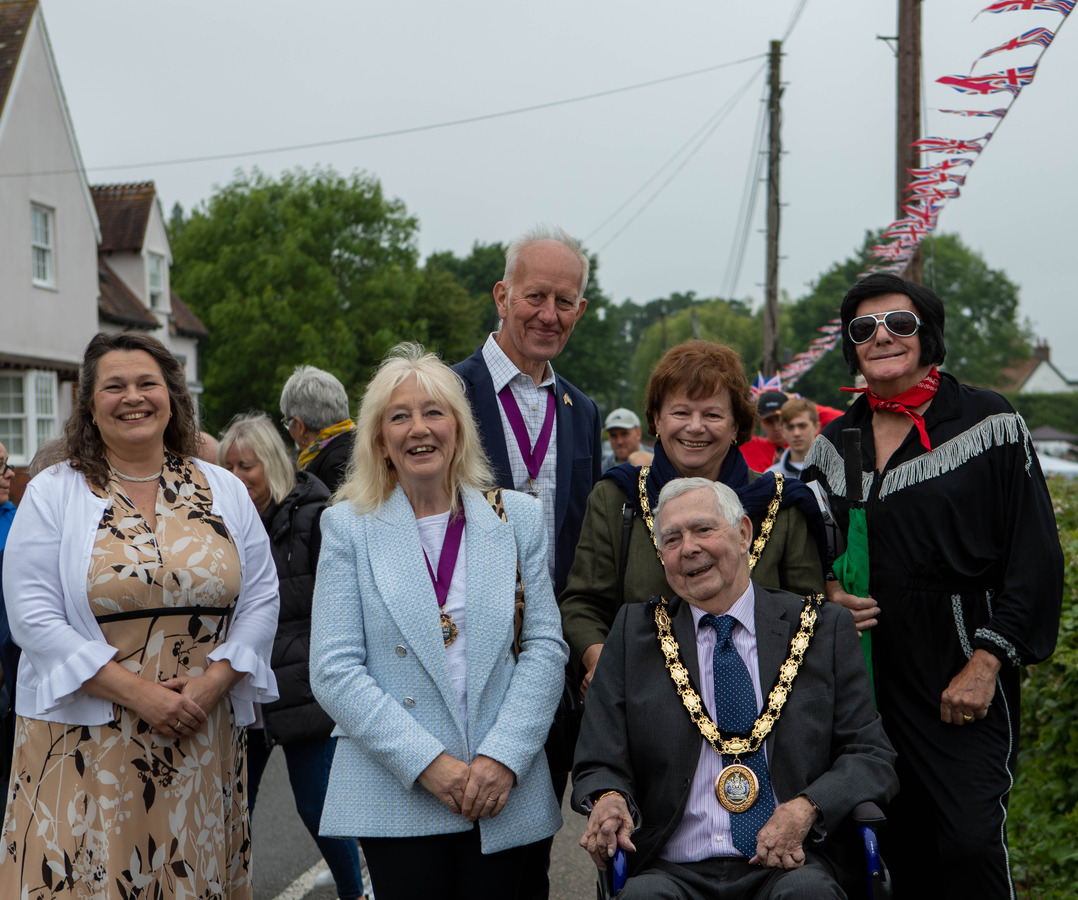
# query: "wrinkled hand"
[780,843]
[487,788]
[971,691]
[589,660]
[445,777]
[609,827]
[168,712]
[864,609]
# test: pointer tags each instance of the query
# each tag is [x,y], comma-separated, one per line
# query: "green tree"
[313,267]
[477,273]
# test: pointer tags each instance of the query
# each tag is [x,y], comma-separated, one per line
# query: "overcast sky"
[154,81]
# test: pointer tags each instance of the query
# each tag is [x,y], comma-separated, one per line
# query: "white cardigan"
[46,564]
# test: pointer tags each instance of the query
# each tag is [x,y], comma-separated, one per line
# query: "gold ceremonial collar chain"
[761,728]
[757,545]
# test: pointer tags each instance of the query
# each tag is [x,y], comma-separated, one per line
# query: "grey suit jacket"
[637,737]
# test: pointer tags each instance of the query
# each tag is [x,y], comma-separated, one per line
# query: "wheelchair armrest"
[868,813]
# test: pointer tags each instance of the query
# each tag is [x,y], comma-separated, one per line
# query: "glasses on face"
[286,422]
[900,322]
[5,469]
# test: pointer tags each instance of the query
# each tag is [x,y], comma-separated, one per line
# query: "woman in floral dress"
[140,587]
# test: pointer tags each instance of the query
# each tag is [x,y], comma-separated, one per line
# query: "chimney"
[1042,351]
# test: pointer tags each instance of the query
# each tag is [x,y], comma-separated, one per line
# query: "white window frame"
[23,431]
[43,245]
[155,265]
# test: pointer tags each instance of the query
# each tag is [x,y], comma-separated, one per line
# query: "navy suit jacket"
[580,453]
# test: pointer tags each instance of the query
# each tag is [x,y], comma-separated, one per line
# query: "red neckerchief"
[922,392]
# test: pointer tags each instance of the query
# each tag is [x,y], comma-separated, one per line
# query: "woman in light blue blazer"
[439,768]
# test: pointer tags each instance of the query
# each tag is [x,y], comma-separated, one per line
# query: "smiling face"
[131,403]
[890,364]
[697,434]
[419,438]
[705,557]
[541,306]
[248,468]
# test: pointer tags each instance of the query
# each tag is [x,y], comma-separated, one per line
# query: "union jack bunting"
[942,166]
[930,192]
[1012,80]
[1041,36]
[951,145]
[1059,6]
[761,384]
[994,113]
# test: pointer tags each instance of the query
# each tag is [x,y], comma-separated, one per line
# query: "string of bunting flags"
[931,187]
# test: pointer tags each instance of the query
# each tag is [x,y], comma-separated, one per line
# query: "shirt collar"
[503,370]
[743,610]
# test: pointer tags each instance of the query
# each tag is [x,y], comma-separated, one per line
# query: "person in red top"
[763,452]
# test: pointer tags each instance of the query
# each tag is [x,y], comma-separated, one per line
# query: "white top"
[432,537]
[45,565]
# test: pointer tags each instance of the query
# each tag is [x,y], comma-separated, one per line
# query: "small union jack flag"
[994,113]
[1059,6]
[930,192]
[761,384]
[951,145]
[1041,36]
[1012,80]
[942,166]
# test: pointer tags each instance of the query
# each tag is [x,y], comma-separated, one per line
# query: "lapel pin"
[565,399]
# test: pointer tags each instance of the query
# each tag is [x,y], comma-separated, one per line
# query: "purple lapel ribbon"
[533,458]
[447,562]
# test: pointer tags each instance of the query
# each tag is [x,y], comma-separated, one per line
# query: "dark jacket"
[295,539]
[330,464]
[580,452]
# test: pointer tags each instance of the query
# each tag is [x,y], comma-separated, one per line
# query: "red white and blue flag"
[951,145]
[1012,80]
[930,192]
[994,113]
[761,384]
[1059,6]
[1040,36]
[942,166]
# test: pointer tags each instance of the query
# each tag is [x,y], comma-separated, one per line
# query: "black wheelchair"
[865,819]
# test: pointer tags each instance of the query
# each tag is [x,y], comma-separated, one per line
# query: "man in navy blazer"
[541,434]
[540,300]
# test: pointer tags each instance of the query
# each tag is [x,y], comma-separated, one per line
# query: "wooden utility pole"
[908,108]
[771,306]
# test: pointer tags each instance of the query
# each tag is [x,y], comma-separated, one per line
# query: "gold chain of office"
[761,728]
[757,545]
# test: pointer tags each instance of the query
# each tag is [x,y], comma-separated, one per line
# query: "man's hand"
[590,660]
[487,788]
[779,845]
[864,609]
[445,777]
[609,827]
[971,691]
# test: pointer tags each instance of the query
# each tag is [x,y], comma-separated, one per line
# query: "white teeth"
[415,451]
[127,417]
[696,443]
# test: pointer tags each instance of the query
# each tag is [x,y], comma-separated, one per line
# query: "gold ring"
[491,800]
[968,718]
[178,725]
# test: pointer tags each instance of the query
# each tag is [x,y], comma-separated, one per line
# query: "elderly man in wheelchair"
[729,729]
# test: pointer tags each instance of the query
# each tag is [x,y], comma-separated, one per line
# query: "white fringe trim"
[828,460]
[994,431]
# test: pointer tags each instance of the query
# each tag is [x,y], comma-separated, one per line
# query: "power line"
[397,132]
[717,120]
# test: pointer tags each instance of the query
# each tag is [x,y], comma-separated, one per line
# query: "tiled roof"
[185,321]
[124,212]
[118,303]
[14,21]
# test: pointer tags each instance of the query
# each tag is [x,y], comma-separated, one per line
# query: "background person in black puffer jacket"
[290,504]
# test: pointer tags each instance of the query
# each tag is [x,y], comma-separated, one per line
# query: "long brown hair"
[81,442]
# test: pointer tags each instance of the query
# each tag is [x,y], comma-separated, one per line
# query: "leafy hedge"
[1044,803]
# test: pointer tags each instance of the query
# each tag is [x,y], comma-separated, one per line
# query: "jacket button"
[402,650]
[408,703]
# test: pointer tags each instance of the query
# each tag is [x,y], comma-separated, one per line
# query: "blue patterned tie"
[735,708]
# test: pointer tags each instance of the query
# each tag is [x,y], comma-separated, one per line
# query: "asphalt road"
[283,850]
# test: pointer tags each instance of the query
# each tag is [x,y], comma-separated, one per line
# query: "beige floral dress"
[112,811]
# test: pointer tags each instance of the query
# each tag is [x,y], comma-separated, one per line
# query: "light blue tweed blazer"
[378,667]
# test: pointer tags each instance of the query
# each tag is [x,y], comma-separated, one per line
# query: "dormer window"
[41,243]
[156,265]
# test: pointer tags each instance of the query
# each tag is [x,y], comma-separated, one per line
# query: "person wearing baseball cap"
[763,452]
[623,431]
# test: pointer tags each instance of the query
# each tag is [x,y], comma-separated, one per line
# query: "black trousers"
[449,866]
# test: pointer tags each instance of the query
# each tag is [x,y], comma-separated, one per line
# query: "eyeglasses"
[286,422]
[900,322]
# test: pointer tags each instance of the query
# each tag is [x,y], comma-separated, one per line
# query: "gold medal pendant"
[450,630]
[737,788]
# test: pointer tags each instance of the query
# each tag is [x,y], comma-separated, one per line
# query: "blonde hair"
[254,433]
[369,480]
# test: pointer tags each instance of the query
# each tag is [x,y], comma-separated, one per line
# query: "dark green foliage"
[1058,410]
[1043,822]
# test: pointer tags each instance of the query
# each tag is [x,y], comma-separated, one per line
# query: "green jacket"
[790,562]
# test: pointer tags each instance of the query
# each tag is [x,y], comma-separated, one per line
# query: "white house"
[63,277]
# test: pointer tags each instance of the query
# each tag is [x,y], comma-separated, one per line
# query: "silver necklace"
[121,475]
